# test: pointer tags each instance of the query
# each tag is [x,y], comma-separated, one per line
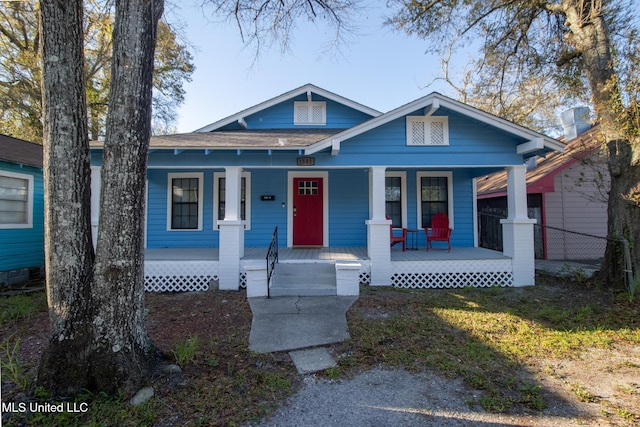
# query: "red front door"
[307,212]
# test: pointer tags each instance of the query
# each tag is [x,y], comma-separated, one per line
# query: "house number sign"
[306,161]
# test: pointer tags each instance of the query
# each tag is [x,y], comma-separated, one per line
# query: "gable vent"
[427,131]
[310,113]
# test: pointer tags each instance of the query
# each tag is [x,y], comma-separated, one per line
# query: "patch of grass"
[531,396]
[276,381]
[494,290]
[186,351]
[485,336]
[494,403]
[633,288]
[333,373]
[628,390]
[626,364]
[583,394]
[18,307]
[625,414]
[90,410]
[41,393]
[12,367]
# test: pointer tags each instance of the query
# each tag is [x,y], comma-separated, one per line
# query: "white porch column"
[378,244]
[231,247]
[517,229]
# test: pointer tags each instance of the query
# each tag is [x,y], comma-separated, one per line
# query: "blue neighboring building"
[21,210]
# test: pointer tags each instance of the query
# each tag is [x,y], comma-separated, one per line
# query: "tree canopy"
[268,22]
[20,79]
[539,48]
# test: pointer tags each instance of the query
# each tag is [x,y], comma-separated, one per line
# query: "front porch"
[193,269]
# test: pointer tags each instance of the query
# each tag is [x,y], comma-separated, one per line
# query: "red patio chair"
[397,239]
[440,230]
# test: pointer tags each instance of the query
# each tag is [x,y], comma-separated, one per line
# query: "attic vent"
[310,113]
[426,131]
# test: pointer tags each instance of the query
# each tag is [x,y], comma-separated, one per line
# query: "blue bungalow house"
[21,210]
[333,176]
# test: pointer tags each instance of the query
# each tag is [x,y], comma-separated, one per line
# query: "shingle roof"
[20,152]
[240,139]
[554,162]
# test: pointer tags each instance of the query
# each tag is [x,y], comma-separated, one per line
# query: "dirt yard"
[223,383]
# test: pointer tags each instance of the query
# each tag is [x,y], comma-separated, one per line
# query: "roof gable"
[431,103]
[307,91]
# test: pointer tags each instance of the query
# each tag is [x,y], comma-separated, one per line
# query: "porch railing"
[272,258]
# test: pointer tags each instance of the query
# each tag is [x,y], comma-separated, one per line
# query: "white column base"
[379,250]
[256,278]
[518,245]
[230,250]
[347,278]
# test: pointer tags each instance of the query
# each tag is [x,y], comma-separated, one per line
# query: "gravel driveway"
[381,397]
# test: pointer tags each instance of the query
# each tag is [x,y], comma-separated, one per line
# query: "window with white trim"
[395,194]
[427,130]
[184,201]
[309,113]
[435,194]
[16,200]
[219,198]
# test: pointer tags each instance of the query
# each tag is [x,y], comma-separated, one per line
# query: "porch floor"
[329,254]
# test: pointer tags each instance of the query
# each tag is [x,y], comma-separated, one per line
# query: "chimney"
[532,163]
[574,122]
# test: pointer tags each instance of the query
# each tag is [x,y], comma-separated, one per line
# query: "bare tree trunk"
[623,209]
[98,339]
[591,36]
[126,351]
[68,247]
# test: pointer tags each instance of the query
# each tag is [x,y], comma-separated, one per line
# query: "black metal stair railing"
[272,258]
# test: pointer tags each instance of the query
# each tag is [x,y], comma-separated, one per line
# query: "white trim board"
[29,207]
[177,175]
[439,174]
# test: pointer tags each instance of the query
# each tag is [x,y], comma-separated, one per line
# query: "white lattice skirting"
[452,273]
[365,271]
[179,276]
[189,276]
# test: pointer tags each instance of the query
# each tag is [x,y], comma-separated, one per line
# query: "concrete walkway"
[291,323]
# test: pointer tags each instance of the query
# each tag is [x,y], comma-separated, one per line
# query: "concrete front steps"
[304,280]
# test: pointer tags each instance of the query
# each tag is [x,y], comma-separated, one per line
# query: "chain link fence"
[558,252]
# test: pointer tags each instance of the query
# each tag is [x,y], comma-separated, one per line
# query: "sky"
[378,67]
